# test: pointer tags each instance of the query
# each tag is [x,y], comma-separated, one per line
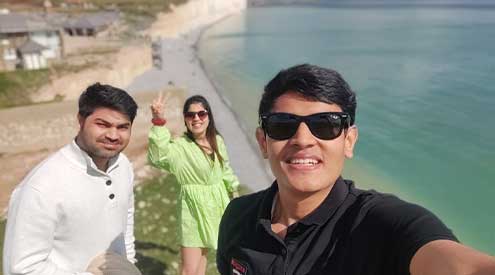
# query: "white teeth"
[304,161]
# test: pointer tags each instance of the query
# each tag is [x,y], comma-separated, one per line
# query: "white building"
[24,36]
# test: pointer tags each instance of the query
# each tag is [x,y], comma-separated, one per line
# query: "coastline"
[261,163]
[262,177]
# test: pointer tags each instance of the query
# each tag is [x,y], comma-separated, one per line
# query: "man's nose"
[303,136]
[112,133]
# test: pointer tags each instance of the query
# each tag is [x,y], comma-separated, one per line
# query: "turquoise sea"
[425,81]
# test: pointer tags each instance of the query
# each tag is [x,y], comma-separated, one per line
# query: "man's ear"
[80,119]
[261,138]
[350,140]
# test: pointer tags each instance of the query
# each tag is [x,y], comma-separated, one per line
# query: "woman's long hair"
[211,130]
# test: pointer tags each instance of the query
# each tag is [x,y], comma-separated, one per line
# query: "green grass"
[2,236]
[138,6]
[138,14]
[156,228]
[134,8]
[16,86]
[97,51]
[61,69]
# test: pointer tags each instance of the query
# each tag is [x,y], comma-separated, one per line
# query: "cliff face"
[253,3]
[118,69]
[193,14]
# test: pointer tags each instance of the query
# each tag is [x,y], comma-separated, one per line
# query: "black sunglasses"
[327,126]
[201,114]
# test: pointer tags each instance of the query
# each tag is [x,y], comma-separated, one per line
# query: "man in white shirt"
[79,202]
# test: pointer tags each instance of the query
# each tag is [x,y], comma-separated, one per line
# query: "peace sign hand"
[157,107]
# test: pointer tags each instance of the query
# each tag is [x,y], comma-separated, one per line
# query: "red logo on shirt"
[238,268]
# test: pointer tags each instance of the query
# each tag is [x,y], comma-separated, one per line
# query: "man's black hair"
[99,95]
[313,82]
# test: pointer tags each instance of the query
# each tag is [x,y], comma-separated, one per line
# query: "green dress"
[204,184]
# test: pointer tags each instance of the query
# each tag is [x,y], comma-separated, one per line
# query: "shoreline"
[225,101]
[261,163]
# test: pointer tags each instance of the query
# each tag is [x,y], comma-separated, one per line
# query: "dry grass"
[16,86]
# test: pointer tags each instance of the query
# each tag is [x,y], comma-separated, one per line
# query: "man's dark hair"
[313,82]
[98,95]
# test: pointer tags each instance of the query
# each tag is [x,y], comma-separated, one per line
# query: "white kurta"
[66,211]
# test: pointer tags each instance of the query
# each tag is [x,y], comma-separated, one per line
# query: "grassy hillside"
[146,7]
[16,86]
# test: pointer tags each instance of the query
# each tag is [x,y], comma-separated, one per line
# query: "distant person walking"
[79,202]
[199,161]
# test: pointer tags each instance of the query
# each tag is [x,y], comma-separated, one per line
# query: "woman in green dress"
[199,161]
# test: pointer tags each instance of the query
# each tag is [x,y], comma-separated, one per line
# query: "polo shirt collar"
[319,216]
[265,210]
[82,159]
[329,206]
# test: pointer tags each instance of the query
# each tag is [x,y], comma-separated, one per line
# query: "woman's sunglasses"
[327,126]
[201,114]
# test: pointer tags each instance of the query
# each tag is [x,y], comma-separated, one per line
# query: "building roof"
[19,22]
[93,20]
[83,23]
[31,47]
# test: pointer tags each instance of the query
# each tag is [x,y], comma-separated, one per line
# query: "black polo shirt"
[352,232]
